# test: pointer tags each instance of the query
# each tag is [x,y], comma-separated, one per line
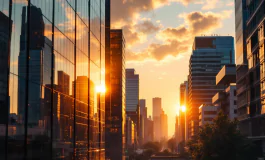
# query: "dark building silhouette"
[115,131]
[4,54]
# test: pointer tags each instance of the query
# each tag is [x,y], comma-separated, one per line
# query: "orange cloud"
[179,40]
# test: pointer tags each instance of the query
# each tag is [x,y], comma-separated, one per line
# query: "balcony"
[218,97]
[226,75]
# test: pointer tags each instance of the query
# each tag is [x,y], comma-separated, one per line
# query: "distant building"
[115,130]
[143,119]
[149,131]
[209,55]
[164,126]
[207,114]
[132,98]
[157,111]
[130,133]
[181,118]
[226,99]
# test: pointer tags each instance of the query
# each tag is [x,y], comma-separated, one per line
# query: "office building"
[56,61]
[132,98]
[226,100]
[207,113]
[180,135]
[251,113]
[115,130]
[209,54]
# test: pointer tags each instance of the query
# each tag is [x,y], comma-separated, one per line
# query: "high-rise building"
[182,112]
[251,113]
[209,54]
[53,44]
[115,130]
[157,111]
[143,119]
[242,74]
[132,98]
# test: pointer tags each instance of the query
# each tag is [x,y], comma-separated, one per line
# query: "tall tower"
[115,130]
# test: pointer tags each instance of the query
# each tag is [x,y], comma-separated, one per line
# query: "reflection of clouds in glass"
[25,2]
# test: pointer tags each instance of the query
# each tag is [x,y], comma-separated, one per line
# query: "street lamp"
[99,90]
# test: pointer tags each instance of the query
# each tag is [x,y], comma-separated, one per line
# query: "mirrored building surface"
[52,54]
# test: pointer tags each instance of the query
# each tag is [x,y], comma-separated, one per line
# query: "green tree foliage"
[221,141]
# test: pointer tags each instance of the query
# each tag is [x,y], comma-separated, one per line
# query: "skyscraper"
[208,56]
[157,111]
[53,45]
[115,131]
[132,98]
[251,113]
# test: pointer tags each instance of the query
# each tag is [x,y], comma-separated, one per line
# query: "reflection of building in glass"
[4,52]
[57,59]
[208,56]
[39,63]
[115,131]
[132,98]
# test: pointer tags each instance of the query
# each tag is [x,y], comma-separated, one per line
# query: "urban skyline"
[118,80]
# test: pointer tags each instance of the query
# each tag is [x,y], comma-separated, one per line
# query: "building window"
[234,102]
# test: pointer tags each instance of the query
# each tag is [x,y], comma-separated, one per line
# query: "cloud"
[137,33]
[129,10]
[179,40]
[210,4]
[147,27]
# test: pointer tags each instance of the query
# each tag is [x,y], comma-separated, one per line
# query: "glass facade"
[52,54]
[209,55]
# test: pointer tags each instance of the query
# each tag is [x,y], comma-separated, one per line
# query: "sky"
[159,36]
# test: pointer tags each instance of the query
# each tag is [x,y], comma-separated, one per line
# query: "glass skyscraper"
[208,56]
[52,54]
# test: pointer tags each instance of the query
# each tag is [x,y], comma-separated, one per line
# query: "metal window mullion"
[88,108]
[27,81]
[52,79]
[8,76]
[75,79]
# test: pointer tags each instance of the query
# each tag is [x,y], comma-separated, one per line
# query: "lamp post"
[99,90]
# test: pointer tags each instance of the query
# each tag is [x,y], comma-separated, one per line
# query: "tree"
[221,140]
[172,144]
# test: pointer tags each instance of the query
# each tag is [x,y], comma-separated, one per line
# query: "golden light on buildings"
[100,89]
[183,108]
